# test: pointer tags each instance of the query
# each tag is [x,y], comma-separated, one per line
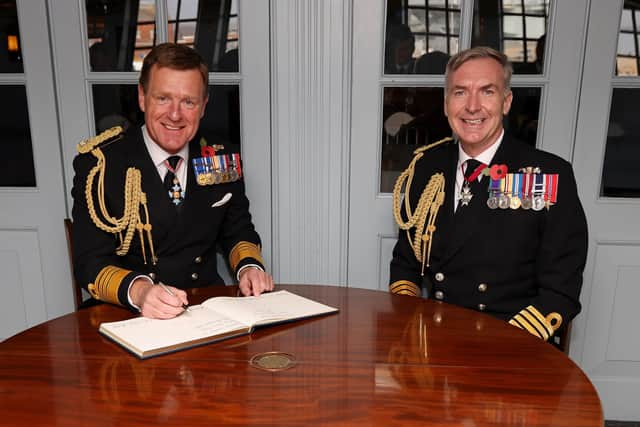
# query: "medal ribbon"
[236,163]
[475,174]
[552,188]
[170,168]
[538,186]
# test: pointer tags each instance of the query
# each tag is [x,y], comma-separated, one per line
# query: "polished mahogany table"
[382,360]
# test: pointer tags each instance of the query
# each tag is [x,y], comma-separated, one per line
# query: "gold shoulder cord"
[133,198]
[424,217]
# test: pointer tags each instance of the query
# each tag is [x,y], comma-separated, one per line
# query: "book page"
[146,334]
[267,308]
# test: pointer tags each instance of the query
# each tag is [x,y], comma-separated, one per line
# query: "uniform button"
[481,307]
[153,276]
[439,277]
[194,276]
[482,287]
[198,260]
[439,295]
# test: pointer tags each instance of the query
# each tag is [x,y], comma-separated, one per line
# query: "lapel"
[470,224]
[444,222]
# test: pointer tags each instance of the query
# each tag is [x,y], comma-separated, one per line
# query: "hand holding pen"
[158,301]
[185,306]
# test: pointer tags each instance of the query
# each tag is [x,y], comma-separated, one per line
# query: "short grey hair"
[478,52]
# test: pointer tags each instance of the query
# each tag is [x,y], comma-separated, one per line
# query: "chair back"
[77,291]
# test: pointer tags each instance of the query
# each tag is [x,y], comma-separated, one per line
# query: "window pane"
[628,40]
[188,9]
[120,33]
[416,29]
[522,120]
[214,30]
[620,172]
[118,105]
[512,6]
[625,21]
[437,22]
[536,27]
[16,162]
[512,26]
[417,20]
[536,7]
[412,116]
[11,54]
[521,29]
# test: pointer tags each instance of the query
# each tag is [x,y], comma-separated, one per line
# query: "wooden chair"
[562,339]
[77,291]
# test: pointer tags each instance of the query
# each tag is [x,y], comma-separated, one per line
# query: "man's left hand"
[254,281]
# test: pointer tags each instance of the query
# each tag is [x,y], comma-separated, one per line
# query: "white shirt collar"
[485,157]
[157,153]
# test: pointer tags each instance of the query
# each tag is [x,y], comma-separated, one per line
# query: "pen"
[184,306]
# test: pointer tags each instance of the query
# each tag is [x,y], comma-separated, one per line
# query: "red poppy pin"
[498,171]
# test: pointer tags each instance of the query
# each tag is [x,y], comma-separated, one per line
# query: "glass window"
[209,26]
[515,27]
[16,162]
[421,35]
[10,53]
[522,120]
[620,172]
[412,116]
[117,104]
[629,40]
[120,33]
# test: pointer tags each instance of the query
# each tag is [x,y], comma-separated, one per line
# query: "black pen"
[185,307]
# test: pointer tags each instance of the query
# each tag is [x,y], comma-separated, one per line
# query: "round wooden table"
[382,360]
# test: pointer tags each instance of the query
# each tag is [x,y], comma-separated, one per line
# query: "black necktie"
[171,183]
[470,168]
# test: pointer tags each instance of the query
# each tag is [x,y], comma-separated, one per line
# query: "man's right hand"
[155,302]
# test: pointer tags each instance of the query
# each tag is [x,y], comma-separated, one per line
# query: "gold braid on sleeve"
[135,200]
[424,217]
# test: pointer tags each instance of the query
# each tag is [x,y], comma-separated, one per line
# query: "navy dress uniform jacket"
[500,261]
[185,241]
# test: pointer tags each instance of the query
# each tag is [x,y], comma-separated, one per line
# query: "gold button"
[439,295]
[439,277]
[194,276]
[482,287]
[481,307]
[198,260]
[153,276]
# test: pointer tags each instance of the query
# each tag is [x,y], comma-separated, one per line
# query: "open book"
[215,319]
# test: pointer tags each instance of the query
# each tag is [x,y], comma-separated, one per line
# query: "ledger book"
[215,319]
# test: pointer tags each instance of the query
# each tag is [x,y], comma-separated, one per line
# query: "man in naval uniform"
[143,216]
[490,223]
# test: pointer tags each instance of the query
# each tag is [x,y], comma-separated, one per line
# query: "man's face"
[475,103]
[173,106]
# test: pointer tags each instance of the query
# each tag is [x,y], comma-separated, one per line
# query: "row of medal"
[217,169]
[523,190]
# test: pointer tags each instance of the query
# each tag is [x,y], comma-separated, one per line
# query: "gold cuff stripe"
[108,283]
[244,250]
[521,323]
[545,324]
[533,321]
[404,287]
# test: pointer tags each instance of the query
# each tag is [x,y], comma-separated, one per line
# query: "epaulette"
[110,135]
[430,146]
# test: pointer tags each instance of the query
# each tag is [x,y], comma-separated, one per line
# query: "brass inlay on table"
[273,361]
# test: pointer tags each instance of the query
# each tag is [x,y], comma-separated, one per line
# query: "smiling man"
[488,222]
[152,205]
